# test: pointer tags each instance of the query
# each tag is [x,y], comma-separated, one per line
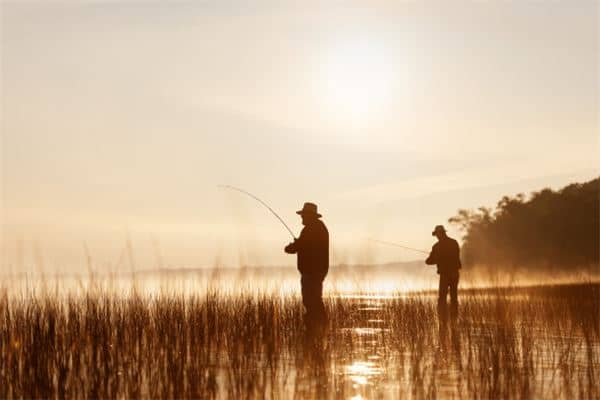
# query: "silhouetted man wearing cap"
[312,248]
[446,254]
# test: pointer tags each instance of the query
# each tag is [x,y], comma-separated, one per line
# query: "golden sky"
[119,119]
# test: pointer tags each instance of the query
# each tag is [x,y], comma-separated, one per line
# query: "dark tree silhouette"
[550,228]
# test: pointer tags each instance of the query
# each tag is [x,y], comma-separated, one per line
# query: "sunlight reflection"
[360,372]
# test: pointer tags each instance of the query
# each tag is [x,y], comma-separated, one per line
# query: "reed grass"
[506,343]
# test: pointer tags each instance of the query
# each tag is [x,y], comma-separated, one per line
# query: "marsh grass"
[506,343]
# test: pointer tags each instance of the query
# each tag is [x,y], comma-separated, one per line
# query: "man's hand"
[291,248]
[431,260]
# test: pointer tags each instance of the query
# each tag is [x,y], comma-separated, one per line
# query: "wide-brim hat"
[309,209]
[438,229]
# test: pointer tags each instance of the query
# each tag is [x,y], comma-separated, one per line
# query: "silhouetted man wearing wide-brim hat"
[312,248]
[446,255]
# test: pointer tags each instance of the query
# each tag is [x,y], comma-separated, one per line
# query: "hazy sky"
[120,118]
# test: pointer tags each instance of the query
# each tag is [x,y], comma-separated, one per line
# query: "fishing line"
[397,245]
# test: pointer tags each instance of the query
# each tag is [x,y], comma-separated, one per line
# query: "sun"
[357,80]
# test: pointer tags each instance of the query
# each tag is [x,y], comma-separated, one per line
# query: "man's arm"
[297,244]
[458,255]
[431,260]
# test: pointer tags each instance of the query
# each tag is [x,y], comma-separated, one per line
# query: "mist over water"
[381,280]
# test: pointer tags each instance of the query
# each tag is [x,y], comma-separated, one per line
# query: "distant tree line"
[550,228]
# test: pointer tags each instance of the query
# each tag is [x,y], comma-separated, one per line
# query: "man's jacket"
[446,254]
[312,248]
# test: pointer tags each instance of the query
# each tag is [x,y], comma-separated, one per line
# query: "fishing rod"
[261,202]
[398,245]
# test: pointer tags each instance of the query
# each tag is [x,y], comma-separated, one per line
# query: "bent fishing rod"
[398,245]
[261,202]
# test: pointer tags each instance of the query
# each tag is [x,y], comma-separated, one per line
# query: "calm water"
[367,362]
